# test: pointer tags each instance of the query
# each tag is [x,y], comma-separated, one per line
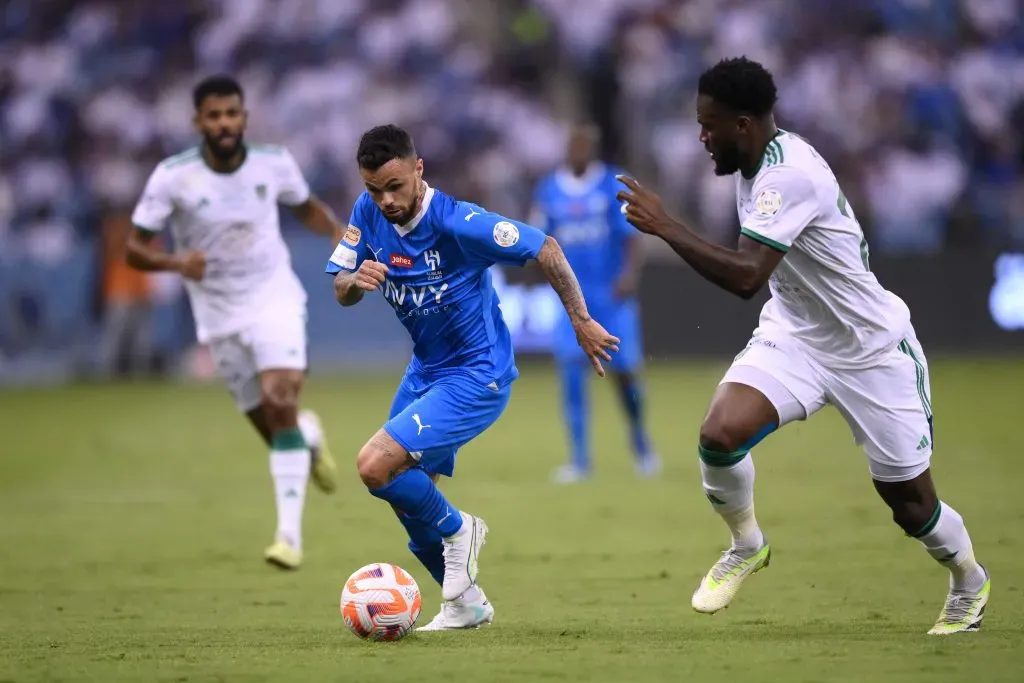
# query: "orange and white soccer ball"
[380,601]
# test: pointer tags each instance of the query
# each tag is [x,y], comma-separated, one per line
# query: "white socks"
[289,467]
[946,539]
[312,432]
[731,492]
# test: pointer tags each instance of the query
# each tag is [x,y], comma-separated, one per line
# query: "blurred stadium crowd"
[917,104]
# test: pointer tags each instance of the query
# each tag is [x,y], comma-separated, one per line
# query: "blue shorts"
[622,319]
[433,417]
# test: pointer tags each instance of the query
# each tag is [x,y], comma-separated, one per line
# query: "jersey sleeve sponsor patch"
[505,234]
[344,257]
[768,203]
[352,235]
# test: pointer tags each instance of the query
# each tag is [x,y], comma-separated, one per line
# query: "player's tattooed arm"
[742,271]
[349,287]
[595,341]
[559,274]
[318,217]
[345,290]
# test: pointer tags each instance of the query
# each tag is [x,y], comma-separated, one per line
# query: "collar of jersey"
[760,161]
[404,230]
[574,186]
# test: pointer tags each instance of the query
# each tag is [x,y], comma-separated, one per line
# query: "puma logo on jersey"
[471,214]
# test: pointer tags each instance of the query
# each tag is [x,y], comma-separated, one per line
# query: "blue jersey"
[439,284]
[583,214]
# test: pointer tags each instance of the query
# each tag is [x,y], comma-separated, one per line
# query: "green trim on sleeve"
[778,246]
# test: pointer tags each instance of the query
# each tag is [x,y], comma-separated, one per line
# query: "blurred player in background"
[577,206]
[429,255]
[829,334]
[221,201]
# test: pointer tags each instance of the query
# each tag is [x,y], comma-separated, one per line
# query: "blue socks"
[425,544]
[414,494]
[576,407]
[631,396]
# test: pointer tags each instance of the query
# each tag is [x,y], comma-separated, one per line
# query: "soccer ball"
[380,601]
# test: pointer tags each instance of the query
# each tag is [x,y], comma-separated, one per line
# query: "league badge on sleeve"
[352,235]
[505,234]
[768,203]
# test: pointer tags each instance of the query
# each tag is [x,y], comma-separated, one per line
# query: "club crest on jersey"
[768,202]
[432,258]
[505,234]
[352,235]
[261,191]
[401,261]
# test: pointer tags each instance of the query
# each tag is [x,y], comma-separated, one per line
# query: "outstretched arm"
[741,271]
[593,339]
[563,280]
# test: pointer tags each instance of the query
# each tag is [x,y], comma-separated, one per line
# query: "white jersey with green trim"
[824,294]
[233,219]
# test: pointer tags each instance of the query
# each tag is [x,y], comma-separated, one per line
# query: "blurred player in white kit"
[220,200]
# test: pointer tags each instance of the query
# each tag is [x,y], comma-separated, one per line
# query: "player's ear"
[419,168]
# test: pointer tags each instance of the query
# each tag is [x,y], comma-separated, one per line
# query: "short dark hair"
[741,84]
[381,144]
[215,85]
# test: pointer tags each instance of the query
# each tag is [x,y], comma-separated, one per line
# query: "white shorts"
[275,341]
[887,406]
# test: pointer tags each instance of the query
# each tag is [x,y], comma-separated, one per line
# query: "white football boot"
[461,557]
[462,614]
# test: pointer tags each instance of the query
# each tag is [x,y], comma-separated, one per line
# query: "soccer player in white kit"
[221,202]
[830,334]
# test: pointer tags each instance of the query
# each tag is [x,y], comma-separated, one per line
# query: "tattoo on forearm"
[563,280]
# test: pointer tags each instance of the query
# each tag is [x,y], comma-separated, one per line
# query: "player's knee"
[722,436]
[373,467]
[280,402]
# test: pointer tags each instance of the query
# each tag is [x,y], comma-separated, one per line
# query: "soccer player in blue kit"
[577,206]
[429,255]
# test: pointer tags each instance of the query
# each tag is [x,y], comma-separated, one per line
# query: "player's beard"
[219,151]
[414,208]
[727,159]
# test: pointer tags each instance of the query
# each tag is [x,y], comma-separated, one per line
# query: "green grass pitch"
[133,518]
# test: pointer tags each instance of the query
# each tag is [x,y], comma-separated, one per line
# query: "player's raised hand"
[596,342]
[370,275]
[192,265]
[643,208]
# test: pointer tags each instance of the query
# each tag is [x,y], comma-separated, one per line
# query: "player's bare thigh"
[769,384]
[381,460]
